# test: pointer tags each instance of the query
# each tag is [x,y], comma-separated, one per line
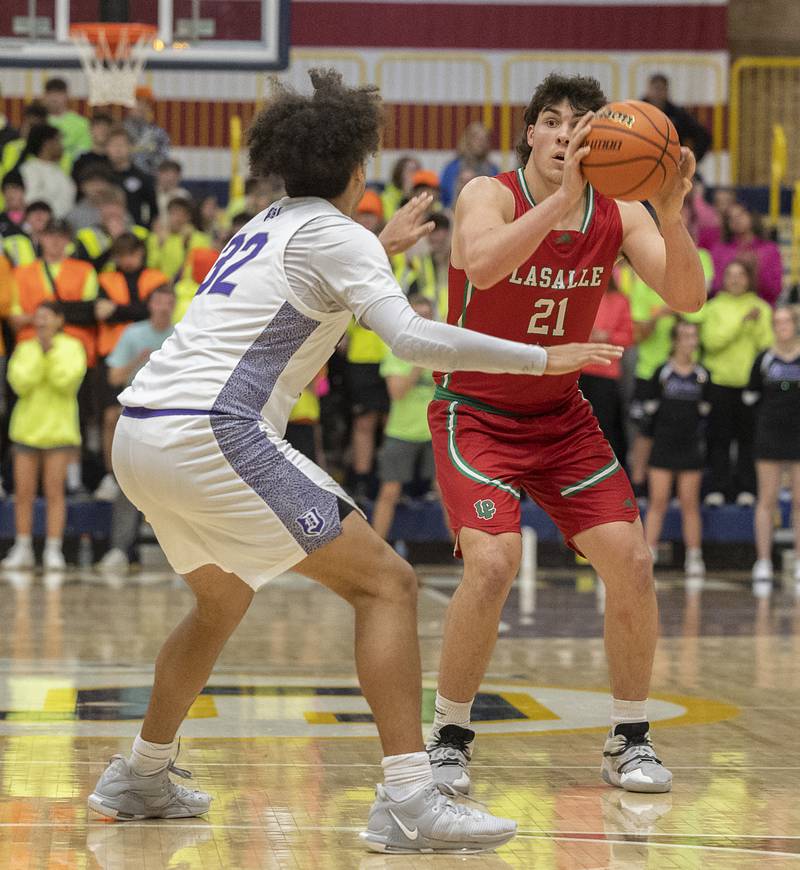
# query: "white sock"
[148,758]
[450,713]
[627,711]
[404,774]
[694,553]
[25,541]
[73,475]
[53,544]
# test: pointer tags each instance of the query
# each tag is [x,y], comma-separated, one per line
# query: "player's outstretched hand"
[563,358]
[407,225]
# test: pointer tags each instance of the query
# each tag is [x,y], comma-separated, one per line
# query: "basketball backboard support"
[224,35]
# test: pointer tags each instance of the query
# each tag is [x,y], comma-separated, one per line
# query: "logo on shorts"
[485,508]
[311,522]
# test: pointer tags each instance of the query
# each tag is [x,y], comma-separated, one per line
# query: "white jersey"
[268,315]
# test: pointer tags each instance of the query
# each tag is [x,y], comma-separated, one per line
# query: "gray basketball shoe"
[450,752]
[122,794]
[428,821]
[630,762]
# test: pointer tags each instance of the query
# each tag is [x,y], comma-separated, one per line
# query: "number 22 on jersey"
[228,262]
[540,324]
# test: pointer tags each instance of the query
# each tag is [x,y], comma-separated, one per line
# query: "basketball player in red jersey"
[532,255]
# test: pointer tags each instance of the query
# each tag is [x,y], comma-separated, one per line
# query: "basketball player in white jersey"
[200,451]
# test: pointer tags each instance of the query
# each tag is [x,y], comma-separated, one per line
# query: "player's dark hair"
[583,93]
[315,143]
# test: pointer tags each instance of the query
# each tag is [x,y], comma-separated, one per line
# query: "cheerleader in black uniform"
[677,402]
[775,388]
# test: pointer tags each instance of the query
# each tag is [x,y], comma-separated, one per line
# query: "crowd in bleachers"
[103,249]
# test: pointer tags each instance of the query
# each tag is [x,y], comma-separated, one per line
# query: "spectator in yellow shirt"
[45,372]
[737,326]
[178,237]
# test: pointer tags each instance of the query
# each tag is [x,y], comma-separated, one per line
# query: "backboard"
[226,35]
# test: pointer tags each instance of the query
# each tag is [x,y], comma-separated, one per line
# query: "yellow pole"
[237,182]
[777,173]
[795,270]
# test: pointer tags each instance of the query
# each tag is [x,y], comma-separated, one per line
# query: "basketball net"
[113,66]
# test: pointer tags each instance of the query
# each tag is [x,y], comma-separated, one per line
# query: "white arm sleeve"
[449,348]
[333,263]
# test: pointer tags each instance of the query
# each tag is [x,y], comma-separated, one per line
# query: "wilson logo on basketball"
[619,117]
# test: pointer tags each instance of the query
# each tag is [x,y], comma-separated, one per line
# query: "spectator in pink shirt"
[743,239]
[601,384]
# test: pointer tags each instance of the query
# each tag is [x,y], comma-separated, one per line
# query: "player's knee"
[223,607]
[640,571]
[492,573]
[391,579]
[399,583]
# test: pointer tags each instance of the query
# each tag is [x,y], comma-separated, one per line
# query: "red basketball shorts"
[484,460]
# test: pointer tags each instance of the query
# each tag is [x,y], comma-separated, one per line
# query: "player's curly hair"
[314,143]
[583,93]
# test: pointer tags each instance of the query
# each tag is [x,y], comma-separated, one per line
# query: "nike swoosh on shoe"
[412,835]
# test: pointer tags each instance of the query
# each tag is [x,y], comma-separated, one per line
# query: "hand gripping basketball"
[564,358]
[669,200]
[573,180]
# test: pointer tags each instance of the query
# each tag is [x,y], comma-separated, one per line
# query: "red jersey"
[551,298]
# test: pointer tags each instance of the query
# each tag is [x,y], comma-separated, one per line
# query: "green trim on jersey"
[468,288]
[524,185]
[441,392]
[592,480]
[462,466]
[588,213]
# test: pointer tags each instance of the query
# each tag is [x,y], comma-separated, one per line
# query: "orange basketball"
[635,148]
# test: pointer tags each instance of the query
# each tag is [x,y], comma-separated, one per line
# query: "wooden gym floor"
[280,738]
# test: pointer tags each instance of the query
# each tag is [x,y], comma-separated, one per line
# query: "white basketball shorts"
[225,491]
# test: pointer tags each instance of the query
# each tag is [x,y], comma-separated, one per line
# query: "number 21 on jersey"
[540,322]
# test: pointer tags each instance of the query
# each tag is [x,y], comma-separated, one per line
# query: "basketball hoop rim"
[114,34]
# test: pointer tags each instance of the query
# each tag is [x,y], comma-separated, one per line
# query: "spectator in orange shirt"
[73,284]
[122,300]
